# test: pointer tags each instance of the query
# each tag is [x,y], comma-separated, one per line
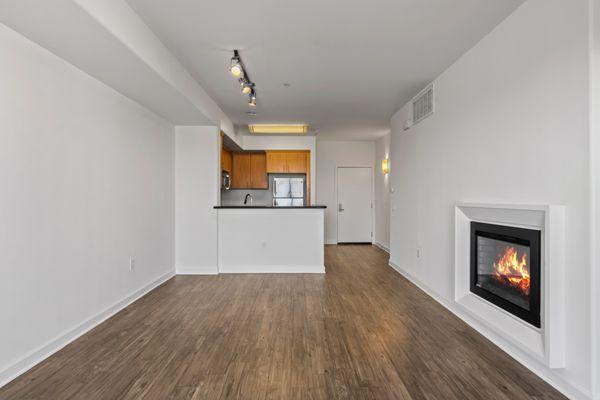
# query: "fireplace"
[505,268]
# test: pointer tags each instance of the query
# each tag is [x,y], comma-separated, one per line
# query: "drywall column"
[196,193]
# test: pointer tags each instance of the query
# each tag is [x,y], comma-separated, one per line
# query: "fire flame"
[511,271]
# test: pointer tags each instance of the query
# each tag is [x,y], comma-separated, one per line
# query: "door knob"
[340,209]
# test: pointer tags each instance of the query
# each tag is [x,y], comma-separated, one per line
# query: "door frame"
[337,202]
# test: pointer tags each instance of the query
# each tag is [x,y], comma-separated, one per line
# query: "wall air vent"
[423,105]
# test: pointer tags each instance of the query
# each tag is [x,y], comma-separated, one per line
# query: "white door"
[354,205]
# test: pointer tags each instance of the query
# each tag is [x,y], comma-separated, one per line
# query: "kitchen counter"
[263,239]
[272,207]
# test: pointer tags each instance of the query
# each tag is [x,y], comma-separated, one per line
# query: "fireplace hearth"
[505,268]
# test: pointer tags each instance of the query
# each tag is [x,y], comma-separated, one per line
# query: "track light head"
[246,86]
[235,66]
[252,102]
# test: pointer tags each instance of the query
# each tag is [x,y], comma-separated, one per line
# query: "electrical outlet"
[131,263]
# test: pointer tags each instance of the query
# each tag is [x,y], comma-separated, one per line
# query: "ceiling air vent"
[423,105]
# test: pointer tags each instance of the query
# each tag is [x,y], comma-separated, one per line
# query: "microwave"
[225,180]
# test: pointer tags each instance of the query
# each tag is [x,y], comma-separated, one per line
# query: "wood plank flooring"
[361,331]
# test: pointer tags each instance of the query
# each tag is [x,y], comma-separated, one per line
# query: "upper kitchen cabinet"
[240,174]
[258,171]
[287,161]
[249,171]
[276,162]
[296,162]
[226,160]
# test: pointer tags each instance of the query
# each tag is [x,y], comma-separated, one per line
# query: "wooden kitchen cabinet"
[258,171]
[276,162]
[240,174]
[226,160]
[287,162]
[296,163]
[249,171]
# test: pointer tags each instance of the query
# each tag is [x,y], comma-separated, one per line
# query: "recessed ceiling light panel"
[279,129]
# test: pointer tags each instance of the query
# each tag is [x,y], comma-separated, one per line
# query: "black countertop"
[272,207]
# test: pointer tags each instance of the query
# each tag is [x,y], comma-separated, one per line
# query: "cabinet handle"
[340,209]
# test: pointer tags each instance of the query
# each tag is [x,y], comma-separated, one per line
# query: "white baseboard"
[197,271]
[331,241]
[570,390]
[382,247]
[39,355]
[272,269]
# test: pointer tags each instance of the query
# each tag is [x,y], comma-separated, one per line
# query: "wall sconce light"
[385,165]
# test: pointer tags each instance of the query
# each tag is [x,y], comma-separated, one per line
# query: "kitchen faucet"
[246,199]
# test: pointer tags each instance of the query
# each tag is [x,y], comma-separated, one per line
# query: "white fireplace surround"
[546,344]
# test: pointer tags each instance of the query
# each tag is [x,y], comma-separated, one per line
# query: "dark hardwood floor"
[361,331]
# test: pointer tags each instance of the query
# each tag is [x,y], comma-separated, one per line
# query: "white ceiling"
[351,63]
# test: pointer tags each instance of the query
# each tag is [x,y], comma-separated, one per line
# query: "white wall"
[287,143]
[595,189]
[87,181]
[511,126]
[382,193]
[330,156]
[197,190]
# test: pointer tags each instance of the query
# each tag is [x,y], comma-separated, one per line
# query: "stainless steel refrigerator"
[288,192]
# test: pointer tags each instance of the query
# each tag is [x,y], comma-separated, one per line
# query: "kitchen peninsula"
[263,239]
[266,223]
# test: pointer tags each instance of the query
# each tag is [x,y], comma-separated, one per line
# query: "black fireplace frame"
[521,236]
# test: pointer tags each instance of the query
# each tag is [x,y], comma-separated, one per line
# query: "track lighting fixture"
[237,69]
